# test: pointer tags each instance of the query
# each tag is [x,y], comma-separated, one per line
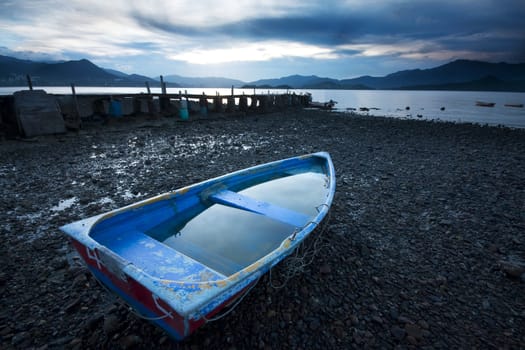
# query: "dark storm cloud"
[306,29]
[153,22]
[461,25]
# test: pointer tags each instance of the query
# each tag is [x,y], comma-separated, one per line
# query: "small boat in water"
[485,104]
[515,105]
[181,257]
[323,105]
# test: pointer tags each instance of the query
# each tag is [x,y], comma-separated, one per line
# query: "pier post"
[75,122]
[147,87]
[295,100]
[230,107]
[279,102]
[243,103]
[164,102]
[29,82]
[162,85]
[203,103]
[217,104]
[272,102]
[183,107]
[263,103]
[253,105]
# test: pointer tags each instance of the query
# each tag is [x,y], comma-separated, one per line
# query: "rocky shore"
[424,245]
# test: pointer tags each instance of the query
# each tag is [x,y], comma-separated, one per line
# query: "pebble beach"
[424,246]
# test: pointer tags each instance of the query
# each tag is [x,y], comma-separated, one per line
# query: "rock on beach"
[422,247]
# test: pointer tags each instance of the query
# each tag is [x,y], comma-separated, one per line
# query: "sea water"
[227,239]
[452,106]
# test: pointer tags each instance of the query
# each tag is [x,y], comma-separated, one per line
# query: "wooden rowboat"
[323,105]
[181,257]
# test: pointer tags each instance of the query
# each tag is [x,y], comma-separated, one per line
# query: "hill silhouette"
[456,75]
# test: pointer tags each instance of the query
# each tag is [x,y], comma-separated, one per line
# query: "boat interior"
[213,232]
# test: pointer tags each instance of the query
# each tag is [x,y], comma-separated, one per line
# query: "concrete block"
[38,113]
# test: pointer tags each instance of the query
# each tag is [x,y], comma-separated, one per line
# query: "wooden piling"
[162,85]
[75,122]
[164,102]
[243,103]
[295,100]
[263,103]
[253,105]
[230,107]
[203,103]
[217,104]
[29,82]
[280,102]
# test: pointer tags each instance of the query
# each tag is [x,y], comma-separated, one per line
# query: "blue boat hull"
[181,257]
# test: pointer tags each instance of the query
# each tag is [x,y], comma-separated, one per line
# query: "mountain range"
[456,75]
[13,72]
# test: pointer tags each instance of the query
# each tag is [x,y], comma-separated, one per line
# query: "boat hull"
[485,104]
[178,289]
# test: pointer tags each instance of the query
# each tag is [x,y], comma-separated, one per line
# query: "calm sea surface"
[459,106]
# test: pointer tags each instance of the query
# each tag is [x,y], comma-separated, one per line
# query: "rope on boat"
[138,314]
[237,302]
[117,299]
[112,296]
[296,264]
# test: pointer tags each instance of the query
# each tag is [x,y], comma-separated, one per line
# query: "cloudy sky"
[250,40]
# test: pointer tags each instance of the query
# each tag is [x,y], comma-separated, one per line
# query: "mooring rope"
[231,308]
[296,264]
[138,314]
[115,298]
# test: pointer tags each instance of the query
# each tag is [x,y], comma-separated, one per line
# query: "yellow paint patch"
[253,267]
[206,275]
[222,283]
[182,191]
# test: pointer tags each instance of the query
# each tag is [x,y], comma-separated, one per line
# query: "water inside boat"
[227,239]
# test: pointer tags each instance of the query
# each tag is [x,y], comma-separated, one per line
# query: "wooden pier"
[34,112]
